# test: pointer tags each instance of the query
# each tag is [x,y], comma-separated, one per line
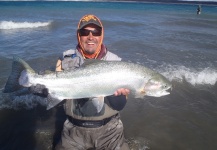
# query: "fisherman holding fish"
[92,122]
[93,83]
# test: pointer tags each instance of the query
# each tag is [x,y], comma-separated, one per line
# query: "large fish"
[93,79]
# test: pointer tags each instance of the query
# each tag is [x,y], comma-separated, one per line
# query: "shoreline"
[160,2]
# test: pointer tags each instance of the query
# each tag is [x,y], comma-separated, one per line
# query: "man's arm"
[119,99]
[117,102]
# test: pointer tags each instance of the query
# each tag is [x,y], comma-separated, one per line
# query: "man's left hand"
[122,91]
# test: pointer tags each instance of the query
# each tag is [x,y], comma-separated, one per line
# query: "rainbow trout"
[94,78]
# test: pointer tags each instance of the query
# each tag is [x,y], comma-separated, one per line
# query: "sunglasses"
[95,32]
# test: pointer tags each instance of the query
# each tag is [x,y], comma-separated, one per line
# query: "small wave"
[7,25]
[206,76]
[27,102]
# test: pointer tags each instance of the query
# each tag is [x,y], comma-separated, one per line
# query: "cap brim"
[90,22]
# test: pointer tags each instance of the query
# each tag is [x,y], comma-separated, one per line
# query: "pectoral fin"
[98,102]
[52,101]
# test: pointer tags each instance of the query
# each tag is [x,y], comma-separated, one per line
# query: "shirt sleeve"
[117,102]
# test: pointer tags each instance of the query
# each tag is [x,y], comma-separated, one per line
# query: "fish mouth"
[163,92]
[167,91]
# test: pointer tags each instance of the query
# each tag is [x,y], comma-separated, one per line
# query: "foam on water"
[206,76]
[7,25]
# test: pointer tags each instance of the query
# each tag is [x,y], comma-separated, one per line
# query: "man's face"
[90,41]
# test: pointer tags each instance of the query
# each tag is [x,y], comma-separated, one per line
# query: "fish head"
[157,86]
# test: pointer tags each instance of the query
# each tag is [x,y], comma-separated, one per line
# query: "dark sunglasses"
[95,32]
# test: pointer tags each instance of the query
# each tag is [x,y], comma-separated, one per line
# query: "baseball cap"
[89,19]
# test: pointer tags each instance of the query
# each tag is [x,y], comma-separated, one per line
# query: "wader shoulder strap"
[71,59]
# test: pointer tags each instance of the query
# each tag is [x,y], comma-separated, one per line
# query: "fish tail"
[18,66]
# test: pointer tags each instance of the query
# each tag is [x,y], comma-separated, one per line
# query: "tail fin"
[18,66]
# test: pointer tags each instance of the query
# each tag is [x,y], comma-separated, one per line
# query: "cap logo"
[88,18]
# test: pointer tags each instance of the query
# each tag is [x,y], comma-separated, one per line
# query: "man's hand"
[122,91]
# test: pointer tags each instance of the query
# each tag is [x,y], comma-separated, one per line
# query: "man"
[88,127]
[199,9]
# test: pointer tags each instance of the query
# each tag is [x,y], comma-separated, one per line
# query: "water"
[169,38]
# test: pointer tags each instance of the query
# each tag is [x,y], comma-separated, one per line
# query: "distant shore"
[140,1]
[162,1]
